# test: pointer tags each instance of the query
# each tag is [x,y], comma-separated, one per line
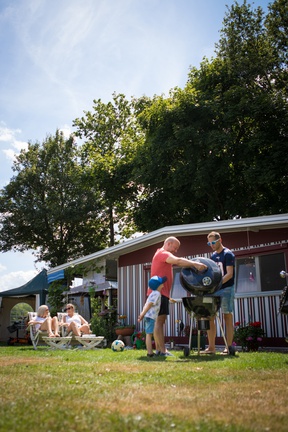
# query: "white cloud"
[9,153]
[66,131]
[16,279]
[8,138]
[6,134]
[2,268]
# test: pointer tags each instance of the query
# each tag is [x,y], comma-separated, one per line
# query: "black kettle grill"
[202,284]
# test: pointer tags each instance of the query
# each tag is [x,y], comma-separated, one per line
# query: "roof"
[37,285]
[86,288]
[233,225]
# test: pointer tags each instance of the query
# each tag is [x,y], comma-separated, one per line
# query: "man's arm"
[228,275]
[144,311]
[183,262]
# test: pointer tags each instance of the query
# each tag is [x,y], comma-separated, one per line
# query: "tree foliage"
[49,205]
[218,148]
[111,135]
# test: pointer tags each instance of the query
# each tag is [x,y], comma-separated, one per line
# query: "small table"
[89,342]
[60,343]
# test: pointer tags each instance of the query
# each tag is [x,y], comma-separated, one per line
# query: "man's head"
[214,240]
[171,244]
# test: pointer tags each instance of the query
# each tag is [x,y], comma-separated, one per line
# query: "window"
[246,278]
[177,291]
[260,273]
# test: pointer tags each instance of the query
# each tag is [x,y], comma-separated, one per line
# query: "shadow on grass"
[195,358]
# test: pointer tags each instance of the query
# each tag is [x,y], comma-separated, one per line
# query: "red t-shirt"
[161,268]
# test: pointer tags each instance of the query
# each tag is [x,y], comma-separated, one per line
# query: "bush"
[103,323]
[249,335]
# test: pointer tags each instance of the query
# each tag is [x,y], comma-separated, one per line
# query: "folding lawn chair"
[86,341]
[63,329]
[35,335]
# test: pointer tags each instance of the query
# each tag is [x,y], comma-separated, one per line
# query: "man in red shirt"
[162,263]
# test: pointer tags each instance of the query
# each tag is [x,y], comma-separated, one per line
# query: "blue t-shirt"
[223,259]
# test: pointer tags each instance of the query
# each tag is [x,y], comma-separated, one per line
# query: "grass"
[103,391]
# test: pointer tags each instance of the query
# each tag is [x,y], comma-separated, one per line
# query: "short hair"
[41,310]
[214,234]
[172,240]
[70,305]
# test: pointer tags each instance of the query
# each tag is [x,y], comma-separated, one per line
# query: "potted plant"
[138,340]
[249,336]
[124,329]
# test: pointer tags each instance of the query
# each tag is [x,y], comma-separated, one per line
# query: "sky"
[57,56]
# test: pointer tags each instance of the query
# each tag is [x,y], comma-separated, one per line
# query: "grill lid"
[200,283]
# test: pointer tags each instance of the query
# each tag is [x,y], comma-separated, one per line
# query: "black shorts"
[164,308]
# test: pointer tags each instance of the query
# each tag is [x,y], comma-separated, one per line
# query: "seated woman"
[44,322]
[75,322]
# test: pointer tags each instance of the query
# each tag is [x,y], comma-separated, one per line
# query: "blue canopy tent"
[37,285]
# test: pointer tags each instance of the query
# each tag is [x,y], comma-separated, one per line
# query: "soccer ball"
[118,345]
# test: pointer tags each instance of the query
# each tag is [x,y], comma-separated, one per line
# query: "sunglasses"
[67,309]
[213,242]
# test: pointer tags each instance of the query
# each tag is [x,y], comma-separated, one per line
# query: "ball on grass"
[117,345]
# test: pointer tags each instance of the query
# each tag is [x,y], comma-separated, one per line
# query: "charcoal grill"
[204,302]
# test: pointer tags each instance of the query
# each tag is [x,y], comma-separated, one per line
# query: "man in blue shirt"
[225,259]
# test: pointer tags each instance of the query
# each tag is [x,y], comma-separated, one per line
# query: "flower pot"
[252,346]
[125,331]
[140,344]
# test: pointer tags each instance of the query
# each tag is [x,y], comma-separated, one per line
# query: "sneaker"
[157,353]
[150,355]
[168,354]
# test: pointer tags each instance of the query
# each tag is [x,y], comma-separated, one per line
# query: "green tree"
[276,23]
[111,136]
[20,312]
[216,150]
[49,205]
[253,111]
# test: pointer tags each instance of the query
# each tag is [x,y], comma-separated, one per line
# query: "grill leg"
[230,349]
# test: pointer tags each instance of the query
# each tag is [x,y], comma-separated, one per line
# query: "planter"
[140,344]
[125,331]
[252,346]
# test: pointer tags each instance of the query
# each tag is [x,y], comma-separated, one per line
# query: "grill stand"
[230,349]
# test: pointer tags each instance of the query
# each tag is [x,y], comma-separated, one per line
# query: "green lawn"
[100,390]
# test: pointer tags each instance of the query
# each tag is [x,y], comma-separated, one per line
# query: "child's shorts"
[149,325]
